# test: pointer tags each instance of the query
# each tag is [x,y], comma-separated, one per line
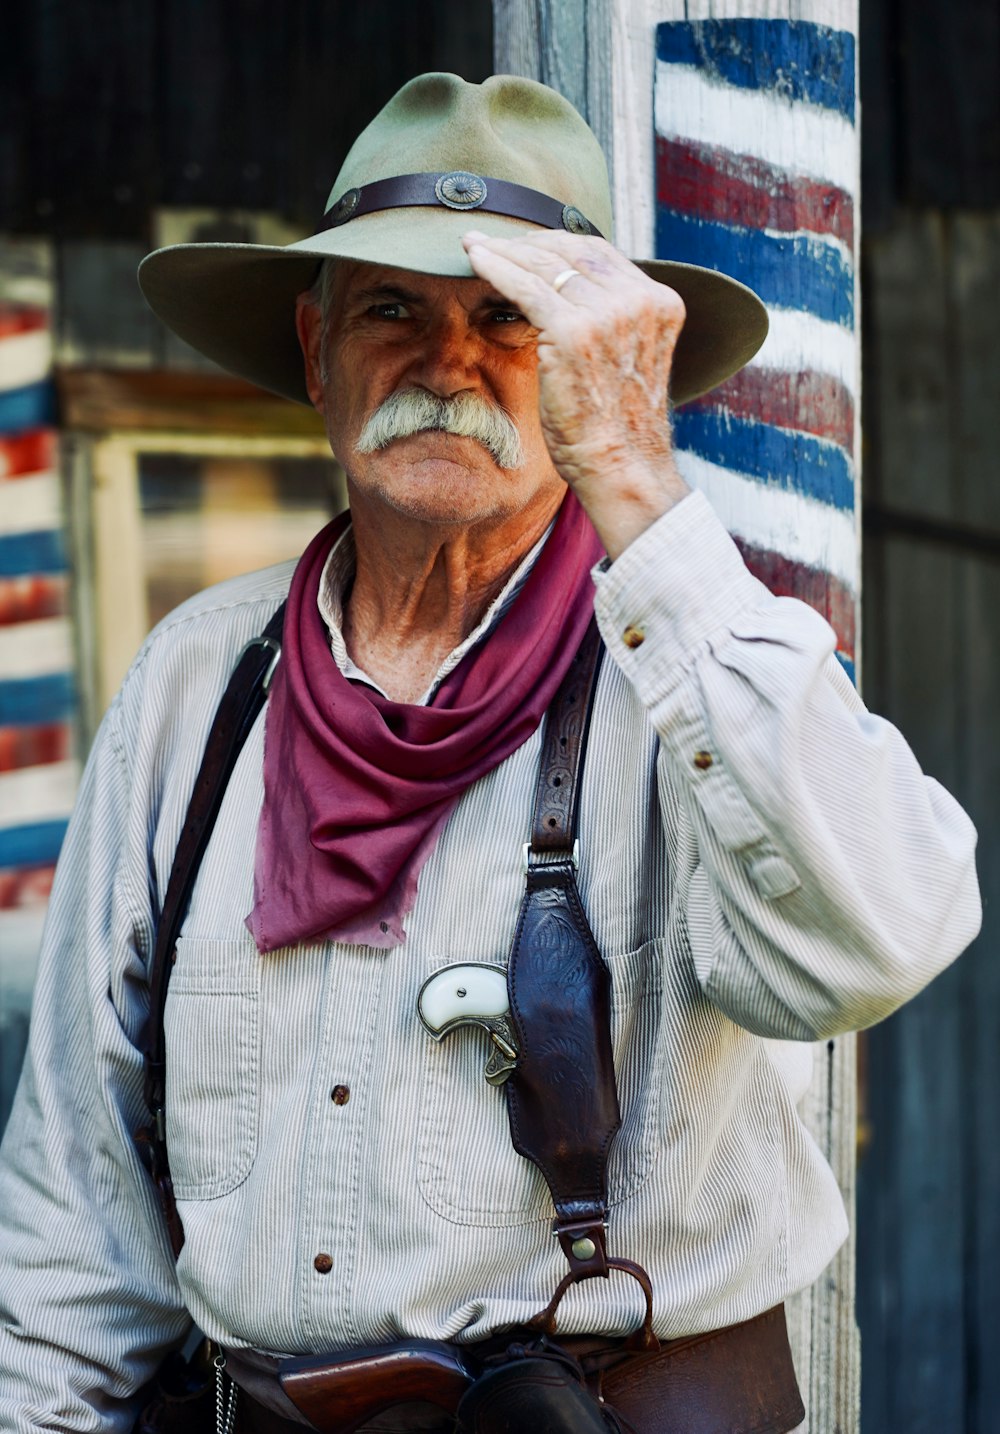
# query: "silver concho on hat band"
[343,209]
[574,221]
[460,189]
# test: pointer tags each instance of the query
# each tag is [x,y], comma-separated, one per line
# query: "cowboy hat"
[443,156]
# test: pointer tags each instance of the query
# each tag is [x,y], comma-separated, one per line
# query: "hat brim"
[235,303]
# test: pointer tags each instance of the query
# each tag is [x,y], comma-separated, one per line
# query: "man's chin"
[446,494]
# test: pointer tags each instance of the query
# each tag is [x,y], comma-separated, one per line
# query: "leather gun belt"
[737,1380]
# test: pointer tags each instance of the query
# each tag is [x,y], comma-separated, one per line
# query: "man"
[760,860]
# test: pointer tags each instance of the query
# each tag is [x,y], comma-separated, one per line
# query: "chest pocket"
[470,1173]
[212,1066]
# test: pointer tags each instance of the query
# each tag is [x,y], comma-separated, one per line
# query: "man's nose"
[448,359]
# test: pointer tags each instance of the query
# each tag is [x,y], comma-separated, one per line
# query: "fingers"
[548,253]
[526,268]
[527,289]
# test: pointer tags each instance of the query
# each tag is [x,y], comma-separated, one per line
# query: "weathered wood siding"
[110,109]
[929,1181]
[929,1173]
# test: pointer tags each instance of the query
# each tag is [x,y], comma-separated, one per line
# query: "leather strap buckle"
[531,858]
[274,647]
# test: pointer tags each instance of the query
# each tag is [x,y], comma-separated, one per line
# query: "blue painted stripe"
[39,552]
[33,406]
[787,271]
[791,58]
[30,701]
[36,844]
[777,457]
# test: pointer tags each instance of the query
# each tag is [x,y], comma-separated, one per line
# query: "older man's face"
[390,331]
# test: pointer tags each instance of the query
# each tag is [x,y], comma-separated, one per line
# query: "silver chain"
[225,1402]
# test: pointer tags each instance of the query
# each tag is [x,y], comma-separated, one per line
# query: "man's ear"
[309,327]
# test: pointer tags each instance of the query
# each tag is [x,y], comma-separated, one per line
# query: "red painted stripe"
[787,578]
[25,886]
[21,319]
[740,190]
[34,746]
[30,452]
[24,599]
[810,402]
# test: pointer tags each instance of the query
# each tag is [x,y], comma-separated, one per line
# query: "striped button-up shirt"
[762,862]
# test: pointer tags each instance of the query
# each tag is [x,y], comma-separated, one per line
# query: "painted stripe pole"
[731,130]
[38,774]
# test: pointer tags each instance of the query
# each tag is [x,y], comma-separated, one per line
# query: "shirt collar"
[335,581]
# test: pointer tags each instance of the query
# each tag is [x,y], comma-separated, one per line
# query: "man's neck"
[420,589]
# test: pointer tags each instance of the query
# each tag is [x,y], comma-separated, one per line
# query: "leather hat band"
[458,189]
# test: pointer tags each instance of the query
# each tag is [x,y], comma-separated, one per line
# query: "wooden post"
[731,131]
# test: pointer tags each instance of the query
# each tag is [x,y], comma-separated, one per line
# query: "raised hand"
[606,338]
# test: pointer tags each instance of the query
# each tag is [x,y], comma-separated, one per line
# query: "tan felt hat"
[442,157]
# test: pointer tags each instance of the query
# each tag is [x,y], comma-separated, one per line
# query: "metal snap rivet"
[703,760]
[323,1264]
[340,1094]
[584,1248]
[633,636]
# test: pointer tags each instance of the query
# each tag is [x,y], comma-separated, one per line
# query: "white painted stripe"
[838,14]
[38,794]
[827,241]
[798,342]
[788,523]
[29,504]
[25,358]
[36,649]
[794,135]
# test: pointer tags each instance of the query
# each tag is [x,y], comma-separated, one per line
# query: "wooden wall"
[110,109]
[929,1174]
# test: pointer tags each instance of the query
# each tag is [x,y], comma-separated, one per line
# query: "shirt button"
[703,760]
[633,636]
[323,1263]
[340,1094]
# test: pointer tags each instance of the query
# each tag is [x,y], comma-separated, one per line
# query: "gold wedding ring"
[564,278]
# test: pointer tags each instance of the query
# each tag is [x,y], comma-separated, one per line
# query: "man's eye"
[394,310]
[507,316]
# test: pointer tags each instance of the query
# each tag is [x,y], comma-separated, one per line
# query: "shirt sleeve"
[835,879]
[89,1302]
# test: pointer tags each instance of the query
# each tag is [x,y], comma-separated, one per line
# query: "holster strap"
[561,1098]
[234,719]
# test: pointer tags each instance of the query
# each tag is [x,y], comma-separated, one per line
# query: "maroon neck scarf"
[357,787]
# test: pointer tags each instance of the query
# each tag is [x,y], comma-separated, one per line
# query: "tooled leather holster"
[561,1098]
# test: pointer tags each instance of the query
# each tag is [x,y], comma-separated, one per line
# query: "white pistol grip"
[471,993]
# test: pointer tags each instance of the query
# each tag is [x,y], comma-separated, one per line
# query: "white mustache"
[469,415]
